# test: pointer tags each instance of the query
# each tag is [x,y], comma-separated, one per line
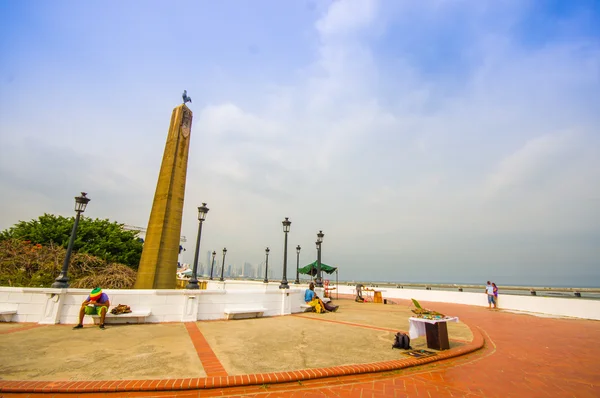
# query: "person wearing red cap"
[96,303]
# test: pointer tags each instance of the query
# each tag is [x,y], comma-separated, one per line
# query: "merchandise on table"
[424,313]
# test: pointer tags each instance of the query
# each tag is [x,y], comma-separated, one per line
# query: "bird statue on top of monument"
[185,97]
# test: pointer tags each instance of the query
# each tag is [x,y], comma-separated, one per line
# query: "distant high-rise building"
[246,269]
[217,269]
[249,270]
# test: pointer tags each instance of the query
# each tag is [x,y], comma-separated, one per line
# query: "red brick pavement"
[211,364]
[524,356]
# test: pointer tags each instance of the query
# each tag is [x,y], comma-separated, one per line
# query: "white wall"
[243,285]
[51,306]
[30,302]
[575,307]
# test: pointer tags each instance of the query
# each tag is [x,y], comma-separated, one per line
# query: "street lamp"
[223,265]
[297,281]
[286,228]
[319,282]
[62,281]
[193,283]
[212,267]
[267,250]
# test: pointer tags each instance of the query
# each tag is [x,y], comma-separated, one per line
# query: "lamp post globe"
[286,228]
[193,283]
[267,250]
[297,281]
[223,264]
[81,202]
[62,281]
[212,266]
[202,210]
[319,281]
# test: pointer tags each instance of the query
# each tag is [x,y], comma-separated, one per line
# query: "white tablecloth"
[417,325]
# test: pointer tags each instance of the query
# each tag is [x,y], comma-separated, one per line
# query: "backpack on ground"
[401,340]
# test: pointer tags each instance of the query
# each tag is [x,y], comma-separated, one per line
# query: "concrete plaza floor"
[356,334]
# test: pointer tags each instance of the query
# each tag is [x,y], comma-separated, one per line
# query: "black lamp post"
[62,281]
[193,283]
[223,265]
[212,267]
[267,250]
[319,282]
[297,281]
[286,228]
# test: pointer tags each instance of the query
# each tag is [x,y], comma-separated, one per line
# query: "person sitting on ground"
[96,303]
[489,289]
[359,298]
[311,298]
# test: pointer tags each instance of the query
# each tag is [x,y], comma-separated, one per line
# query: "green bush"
[101,238]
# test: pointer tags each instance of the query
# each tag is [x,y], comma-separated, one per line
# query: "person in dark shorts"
[96,303]
[359,298]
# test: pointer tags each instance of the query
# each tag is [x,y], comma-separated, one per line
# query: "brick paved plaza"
[493,354]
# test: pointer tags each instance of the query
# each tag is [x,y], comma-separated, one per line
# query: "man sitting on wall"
[96,303]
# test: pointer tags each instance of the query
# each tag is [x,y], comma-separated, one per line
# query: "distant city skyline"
[450,141]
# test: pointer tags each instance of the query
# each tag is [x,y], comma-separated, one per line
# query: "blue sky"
[453,141]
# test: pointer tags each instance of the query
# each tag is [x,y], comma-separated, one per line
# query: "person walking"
[489,289]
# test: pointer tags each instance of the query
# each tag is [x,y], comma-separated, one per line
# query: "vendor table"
[377,298]
[436,331]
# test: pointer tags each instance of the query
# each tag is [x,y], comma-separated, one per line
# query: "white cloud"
[423,174]
[530,163]
[428,170]
[229,119]
[349,17]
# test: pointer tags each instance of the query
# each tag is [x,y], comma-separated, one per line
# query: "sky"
[431,141]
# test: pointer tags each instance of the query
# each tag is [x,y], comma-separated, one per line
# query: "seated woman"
[311,298]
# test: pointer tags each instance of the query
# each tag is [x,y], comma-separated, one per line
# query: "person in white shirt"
[489,289]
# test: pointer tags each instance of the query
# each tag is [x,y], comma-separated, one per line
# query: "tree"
[34,265]
[101,238]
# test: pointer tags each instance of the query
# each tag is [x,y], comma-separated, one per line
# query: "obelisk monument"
[158,265]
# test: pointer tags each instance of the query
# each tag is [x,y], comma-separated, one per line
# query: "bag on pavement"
[401,340]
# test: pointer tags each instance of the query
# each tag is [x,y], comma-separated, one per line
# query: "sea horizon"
[332,280]
[463,283]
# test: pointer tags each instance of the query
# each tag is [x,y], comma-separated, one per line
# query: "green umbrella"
[311,269]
